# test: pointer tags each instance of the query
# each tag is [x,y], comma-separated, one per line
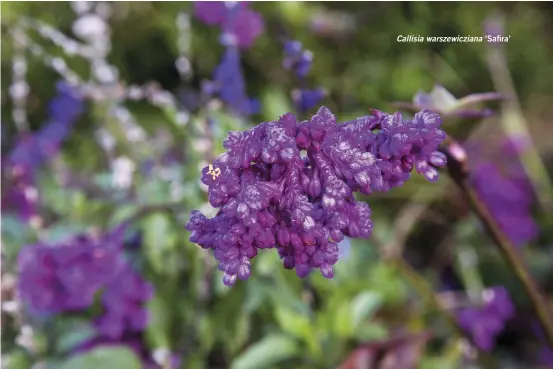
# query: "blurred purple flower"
[33,150]
[305,99]
[503,186]
[36,149]
[296,58]
[66,277]
[299,61]
[484,323]
[244,26]
[210,12]
[21,195]
[545,354]
[444,103]
[123,301]
[228,82]
[241,26]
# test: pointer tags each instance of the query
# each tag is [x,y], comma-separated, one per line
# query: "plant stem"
[458,170]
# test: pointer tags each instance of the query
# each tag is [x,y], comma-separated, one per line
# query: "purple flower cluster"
[299,61]
[241,26]
[123,301]
[290,185]
[34,150]
[67,276]
[486,322]
[503,186]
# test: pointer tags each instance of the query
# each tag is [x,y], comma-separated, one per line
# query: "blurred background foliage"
[276,320]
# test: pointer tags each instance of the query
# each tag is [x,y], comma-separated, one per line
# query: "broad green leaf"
[269,351]
[370,331]
[15,234]
[158,237]
[74,334]
[363,306]
[341,322]
[104,357]
[241,332]
[121,213]
[158,329]
[206,333]
[256,294]
[299,326]
[386,281]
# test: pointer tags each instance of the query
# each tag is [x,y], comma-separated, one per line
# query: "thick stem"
[458,170]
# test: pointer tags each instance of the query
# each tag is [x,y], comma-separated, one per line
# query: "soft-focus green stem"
[458,170]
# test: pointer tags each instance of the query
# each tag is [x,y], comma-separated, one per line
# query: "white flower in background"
[80,7]
[123,169]
[90,27]
[25,338]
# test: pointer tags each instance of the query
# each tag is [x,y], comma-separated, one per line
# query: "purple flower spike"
[230,85]
[305,99]
[123,302]
[34,150]
[272,196]
[296,58]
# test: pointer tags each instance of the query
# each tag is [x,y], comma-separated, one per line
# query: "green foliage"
[104,357]
[269,351]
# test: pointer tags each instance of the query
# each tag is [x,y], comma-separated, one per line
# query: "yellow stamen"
[215,172]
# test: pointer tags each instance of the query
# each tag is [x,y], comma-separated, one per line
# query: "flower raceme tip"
[290,185]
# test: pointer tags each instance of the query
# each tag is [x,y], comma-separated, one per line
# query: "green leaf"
[363,306]
[269,351]
[371,331]
[158,237]
[121,213]
[73,335]
[341,323]
[300,326]
[104,357]
[15,234]
[158,329]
